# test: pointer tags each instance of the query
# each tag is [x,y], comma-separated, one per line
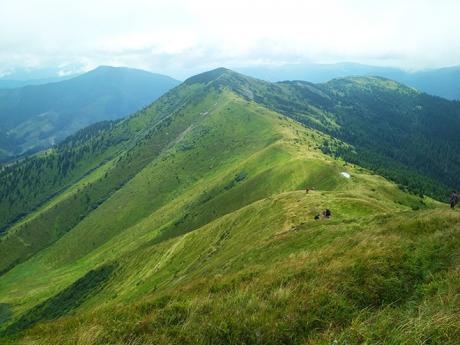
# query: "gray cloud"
[180,37]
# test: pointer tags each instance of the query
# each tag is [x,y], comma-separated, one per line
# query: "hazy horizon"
[52,72]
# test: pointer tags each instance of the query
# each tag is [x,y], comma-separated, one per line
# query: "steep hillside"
[36,117]
[89,166]
[192,225]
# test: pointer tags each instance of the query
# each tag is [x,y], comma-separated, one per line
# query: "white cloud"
[180,37]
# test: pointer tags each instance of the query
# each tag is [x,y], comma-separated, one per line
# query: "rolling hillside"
[442,82]
[38,116]
[189,223]
[394,130]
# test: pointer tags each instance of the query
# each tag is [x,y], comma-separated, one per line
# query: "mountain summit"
[210,76]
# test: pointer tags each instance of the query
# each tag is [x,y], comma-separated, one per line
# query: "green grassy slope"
[98,162]
[378,279]
[211,239]
[395,130]
[27,184]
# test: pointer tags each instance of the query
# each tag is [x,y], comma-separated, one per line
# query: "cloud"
[181,37]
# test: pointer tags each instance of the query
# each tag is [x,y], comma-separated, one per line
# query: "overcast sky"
[181,37]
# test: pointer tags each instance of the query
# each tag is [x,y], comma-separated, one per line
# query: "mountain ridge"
[441,82]
[337,107]
[38,116]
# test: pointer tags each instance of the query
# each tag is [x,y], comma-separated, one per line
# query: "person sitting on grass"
[453,199]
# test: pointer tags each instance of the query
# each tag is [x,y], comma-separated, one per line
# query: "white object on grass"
[345,174]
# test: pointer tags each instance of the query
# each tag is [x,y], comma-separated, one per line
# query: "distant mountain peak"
[105,70]
[105,93]
[370,82]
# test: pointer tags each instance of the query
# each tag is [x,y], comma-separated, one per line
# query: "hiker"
[307,190]
[453,199]
[327,213]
